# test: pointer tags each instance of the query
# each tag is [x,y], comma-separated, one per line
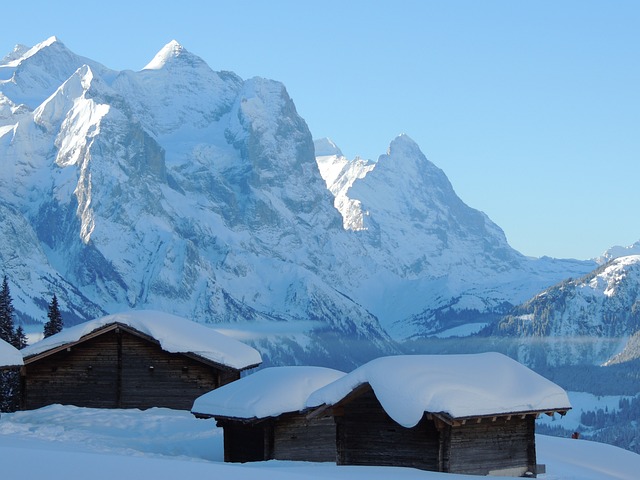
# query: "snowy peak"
[407,168]
[339,175]
[49,42]
[53,110]
[177,90]
[17,53]
[405,146]
[22,52]
[325,147]
[73,115]
[618,251]
[171,55]
[37,73]
[405,186]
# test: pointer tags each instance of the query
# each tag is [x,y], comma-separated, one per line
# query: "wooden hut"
[469,414]
[139,359]
[263,416]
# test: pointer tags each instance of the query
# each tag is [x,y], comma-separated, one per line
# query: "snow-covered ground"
[66,443]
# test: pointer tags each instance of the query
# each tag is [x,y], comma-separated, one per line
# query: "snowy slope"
[587,320]
[74,443]
[184,189]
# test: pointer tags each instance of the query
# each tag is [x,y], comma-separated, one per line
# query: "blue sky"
[531,108]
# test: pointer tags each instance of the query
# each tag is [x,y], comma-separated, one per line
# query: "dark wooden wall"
[288,437]
[478,448]
[366,435]
[245,442]
[85,376]
[119,370]
[297,438]
[152,377]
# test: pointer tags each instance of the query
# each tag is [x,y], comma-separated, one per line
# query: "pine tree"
[6,313]
[20,338]
[9,379]
[54,324]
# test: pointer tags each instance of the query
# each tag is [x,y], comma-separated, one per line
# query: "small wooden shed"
[263,416]
[139,359]
[469,414]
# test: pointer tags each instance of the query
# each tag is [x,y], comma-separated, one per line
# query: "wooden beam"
[319,411]
[118,334]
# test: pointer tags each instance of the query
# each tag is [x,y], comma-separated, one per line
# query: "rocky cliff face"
[197,192]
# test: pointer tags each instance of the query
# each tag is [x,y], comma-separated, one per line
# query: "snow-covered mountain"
[441,258]
[199,193]
[619,251]
[593,319]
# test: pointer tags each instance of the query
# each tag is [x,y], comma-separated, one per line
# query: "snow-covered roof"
[175,335]
[9,355]
[460,386]
[266,393]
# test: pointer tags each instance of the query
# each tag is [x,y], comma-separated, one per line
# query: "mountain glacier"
[202,194]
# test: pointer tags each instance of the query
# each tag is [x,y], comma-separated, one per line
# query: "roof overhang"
[459,421]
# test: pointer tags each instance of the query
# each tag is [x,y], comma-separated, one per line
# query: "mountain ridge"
[194,191]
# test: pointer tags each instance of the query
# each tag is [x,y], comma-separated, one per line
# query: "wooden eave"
[253,420]
[116,326]
[459,421]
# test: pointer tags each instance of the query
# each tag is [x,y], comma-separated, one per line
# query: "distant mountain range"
[193,191]
[591,320]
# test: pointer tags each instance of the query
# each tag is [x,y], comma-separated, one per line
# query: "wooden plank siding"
[287,437]
[119,368]
[503,443]
[366,435]
[311,440]
[84,375]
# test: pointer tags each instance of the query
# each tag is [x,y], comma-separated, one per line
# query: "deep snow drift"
[9,355]
[62,443]
[459,385]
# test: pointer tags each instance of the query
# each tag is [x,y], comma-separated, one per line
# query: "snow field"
[68,443]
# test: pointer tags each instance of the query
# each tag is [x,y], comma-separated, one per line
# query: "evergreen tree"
[9,379]
[54,324]
[20,338]
[6,313]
